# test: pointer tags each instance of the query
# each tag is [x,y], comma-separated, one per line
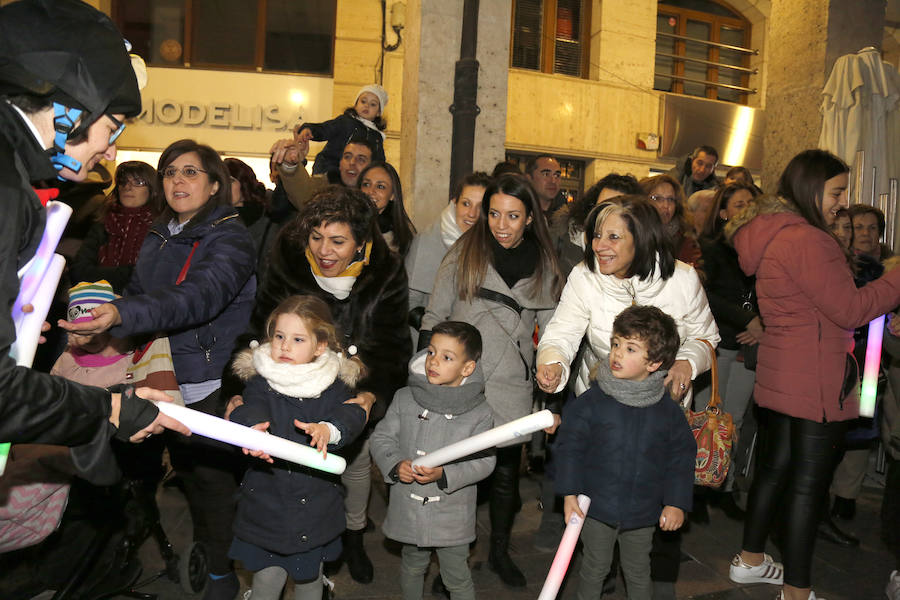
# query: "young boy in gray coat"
[434,508]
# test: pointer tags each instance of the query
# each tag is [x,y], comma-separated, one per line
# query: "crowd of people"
[317,312]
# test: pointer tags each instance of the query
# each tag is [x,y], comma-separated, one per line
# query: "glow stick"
[252,439]
[38,281]
[564,553]
[870,368]
[488,439]
[28,325]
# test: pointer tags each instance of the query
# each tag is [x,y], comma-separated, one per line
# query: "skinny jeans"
[796,462]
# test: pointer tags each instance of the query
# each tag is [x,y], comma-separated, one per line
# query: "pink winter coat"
[809,306]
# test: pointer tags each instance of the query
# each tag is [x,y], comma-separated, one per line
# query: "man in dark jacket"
[66,84]
[697,171]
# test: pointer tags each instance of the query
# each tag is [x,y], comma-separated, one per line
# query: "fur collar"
[766,204]
[297,381]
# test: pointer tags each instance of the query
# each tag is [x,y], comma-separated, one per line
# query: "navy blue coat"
[205,313]
[338,132]
[283,507]
[630,461]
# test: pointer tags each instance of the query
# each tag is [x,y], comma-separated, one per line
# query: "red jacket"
[809,305]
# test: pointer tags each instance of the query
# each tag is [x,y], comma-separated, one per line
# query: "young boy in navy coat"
[626,445]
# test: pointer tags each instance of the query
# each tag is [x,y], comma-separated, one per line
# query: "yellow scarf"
[352,270]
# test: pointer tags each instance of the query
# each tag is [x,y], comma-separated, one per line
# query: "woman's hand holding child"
[672,518]
[319,432]
[549,376]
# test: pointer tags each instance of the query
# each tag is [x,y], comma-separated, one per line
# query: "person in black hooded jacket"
[58,123]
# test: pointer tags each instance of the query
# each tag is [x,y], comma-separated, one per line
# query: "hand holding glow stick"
[564,553]
[247,437]
[488,439]
[870,369]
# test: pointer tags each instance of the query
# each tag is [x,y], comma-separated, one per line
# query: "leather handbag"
[713,429]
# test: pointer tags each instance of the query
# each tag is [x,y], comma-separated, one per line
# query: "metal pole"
[465,95]
[892,217]
[859,176]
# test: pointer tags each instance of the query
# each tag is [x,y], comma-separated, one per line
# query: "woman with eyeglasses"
[194,280]
[110,248]
[667,197]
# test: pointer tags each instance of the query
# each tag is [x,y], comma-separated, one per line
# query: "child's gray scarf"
[639,394]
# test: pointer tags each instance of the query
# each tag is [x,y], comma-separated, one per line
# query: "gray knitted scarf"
[639,394]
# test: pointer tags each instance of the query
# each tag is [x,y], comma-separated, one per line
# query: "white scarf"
[297,381]
[450,230]
[370,125]
[339,287]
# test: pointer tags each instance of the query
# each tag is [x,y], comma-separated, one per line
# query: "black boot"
[845,508]
[504,505]
[500,562]
[830,532]
[358,563]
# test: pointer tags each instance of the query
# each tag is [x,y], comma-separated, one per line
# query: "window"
[551,36]
[702,49]
[271,35]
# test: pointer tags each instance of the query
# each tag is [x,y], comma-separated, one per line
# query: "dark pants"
[210,471]
[890,509]
[796,461]
[504,500]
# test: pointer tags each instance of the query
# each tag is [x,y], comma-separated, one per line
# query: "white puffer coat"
[590,302]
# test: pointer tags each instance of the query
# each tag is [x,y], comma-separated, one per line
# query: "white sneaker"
[892,591]
[767,572]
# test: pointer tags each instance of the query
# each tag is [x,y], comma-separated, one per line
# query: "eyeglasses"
[120,128]
[658,198]
[186,172]
[133,181]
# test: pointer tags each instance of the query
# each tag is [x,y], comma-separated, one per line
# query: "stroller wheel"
[193,569]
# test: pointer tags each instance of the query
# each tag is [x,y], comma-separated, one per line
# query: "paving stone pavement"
[838,574]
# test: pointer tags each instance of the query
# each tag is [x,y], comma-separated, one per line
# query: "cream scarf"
[297,381]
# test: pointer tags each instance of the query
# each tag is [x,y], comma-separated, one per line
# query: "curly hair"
[336,204]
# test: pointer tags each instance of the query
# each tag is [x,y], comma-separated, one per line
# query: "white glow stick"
[488,439]
[28,325]
[252,439]
[564,552]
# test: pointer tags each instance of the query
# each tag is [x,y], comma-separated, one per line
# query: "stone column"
[432,37]
[807,37]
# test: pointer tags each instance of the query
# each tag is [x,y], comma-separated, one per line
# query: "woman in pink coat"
[806,377]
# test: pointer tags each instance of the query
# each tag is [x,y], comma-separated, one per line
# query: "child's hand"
[319,433]
[672,518]
[259,453]
[425,475]
[405,472]
[556,422]
[570,507]
[304,135]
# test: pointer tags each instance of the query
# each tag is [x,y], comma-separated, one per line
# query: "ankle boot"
[358,563]
[830,532]
[500,562]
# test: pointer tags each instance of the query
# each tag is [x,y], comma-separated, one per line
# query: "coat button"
[302,500]
[303,538]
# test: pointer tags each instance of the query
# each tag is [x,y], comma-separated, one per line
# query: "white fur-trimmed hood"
[299,381]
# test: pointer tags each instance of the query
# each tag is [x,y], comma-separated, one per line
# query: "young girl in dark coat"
[290,519]
[363,120]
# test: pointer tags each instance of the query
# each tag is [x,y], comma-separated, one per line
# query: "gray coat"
[451,414]
[422,262]
[508,353]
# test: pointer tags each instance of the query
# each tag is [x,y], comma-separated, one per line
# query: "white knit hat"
[378,91]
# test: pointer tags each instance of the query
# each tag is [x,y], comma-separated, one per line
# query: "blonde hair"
[314,313]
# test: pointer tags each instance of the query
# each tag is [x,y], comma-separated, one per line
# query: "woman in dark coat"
[333,250]
[110,248]
[195,280]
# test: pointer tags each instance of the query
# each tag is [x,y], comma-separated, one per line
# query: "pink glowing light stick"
[870,368]
[564,553]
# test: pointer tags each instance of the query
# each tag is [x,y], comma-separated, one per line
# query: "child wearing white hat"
[362,121]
